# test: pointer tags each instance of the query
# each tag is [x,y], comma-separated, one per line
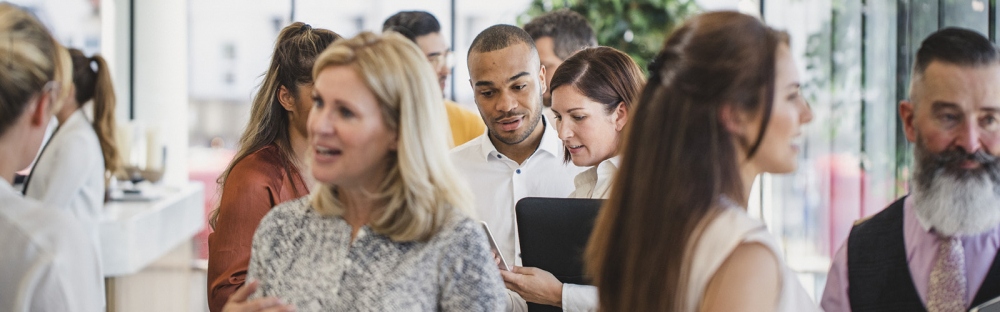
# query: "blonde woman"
[387,229]
[48,262]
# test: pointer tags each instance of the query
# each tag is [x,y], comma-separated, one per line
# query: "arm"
[749,280]
[468,276]
[835,297]
[246,198]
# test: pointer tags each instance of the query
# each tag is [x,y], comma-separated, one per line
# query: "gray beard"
[952,200]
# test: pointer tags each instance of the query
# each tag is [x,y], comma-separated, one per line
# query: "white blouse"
[730,228]
[69,173]
[596,181]
[593,183]
[47,263]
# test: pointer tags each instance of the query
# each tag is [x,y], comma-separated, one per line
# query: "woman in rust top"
[269,167]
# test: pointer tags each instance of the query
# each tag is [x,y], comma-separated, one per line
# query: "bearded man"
[935,249]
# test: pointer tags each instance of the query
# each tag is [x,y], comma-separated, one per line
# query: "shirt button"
[499,157]
[518,171]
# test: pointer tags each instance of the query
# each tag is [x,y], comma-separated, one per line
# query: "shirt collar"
[550,142]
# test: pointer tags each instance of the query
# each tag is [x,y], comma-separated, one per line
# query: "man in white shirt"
[520,155]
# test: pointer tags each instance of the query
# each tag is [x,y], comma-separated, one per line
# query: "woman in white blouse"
[70,171]
[593,92]
[47,263]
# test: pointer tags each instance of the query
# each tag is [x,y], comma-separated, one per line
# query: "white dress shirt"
[499,182]
[48,263]
[593,183]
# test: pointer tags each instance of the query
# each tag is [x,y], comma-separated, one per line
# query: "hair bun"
[305,28]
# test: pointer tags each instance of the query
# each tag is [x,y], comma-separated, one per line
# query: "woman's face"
[588,132]
[349,139]
[779,149]
[303,104]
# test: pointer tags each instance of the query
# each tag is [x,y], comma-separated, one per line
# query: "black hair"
[412,24]
[957,46]
[570,31]
[500,36]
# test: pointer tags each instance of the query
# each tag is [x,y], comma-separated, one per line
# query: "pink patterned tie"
[946,292]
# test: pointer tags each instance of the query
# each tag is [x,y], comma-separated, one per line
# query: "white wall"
[161,77]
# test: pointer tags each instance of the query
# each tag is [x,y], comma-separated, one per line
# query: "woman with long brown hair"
[72,169]
[269,167]
[721,107]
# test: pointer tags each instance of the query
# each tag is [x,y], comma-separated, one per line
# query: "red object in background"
[206,166]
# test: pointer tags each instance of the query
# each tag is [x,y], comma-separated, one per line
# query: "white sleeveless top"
[730,228]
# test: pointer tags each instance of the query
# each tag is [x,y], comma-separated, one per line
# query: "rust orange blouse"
[257,183]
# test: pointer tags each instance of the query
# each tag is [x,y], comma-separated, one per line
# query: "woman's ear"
[733,120]
[286,98]
[621,117]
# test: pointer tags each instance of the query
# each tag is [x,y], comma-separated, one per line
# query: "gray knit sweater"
[309,260]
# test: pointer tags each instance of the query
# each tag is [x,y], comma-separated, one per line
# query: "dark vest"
[878,273]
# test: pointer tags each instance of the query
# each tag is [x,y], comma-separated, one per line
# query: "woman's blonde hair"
[64,75]
[422,189]
[27,62]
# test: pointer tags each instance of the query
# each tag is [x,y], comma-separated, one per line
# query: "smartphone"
[493,246]
[989,306]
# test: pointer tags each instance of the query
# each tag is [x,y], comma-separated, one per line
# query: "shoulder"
[468,151]
[265,164]
[750,278]
[293,213]
[460,233]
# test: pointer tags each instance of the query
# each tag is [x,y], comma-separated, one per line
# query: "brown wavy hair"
[679,158]
[295,51]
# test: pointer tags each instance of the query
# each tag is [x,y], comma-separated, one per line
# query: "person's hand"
[495,258]
[534,285]
[238,301]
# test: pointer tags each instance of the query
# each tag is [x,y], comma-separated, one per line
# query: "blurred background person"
[73,169]
[558,34]
[49,262]
[594,91]
[675,234]
[388,228]
[271,164]
[424,30]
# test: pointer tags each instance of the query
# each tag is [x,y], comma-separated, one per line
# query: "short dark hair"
[500,36]
[957,46]
[412,24]
[569,30]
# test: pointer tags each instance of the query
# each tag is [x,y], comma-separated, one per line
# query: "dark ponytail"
[97,86]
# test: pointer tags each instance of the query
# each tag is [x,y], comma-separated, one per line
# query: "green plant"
[636,27]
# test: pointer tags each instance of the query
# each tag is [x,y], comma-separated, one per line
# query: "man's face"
[955,108]
[547,55]
[508,84]
[437,53]
[954,121]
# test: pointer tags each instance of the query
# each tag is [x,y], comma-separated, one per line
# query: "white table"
[134,234]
